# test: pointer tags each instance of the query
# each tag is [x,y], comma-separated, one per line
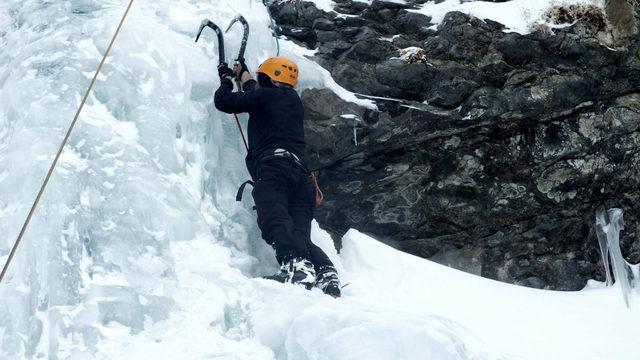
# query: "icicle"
[608,226]
[355,125]
[355,131]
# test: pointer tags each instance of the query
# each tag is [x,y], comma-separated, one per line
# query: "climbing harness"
[314,180]
[62,145]
[282,153]
[241,189]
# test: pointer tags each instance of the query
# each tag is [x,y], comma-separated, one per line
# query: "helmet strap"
[281,85]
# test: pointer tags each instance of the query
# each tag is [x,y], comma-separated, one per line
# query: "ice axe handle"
[245,34]
[239,64]
[208,23]
[238,79]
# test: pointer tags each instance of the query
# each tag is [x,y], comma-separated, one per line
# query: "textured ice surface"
[138,249]
[149,165]
[609,223]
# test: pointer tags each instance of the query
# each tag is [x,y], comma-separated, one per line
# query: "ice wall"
[150,163]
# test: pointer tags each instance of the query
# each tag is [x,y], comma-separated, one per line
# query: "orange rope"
[244,140]
[319,194]
[62,145]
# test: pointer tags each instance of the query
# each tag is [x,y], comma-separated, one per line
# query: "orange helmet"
[280,69]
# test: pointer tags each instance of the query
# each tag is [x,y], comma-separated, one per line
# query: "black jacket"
[275,118]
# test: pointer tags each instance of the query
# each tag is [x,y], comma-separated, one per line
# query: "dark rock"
[381,5]
[494,150]
[486,102]
[335,48]
[324,104]
[323,109]
[412,79]
[452,22]
[494,25]
[359,6]
[324,24]
[521,78]
[346,73]
[329,36]
[350,7]
[369,50]
[410,23]
[350,32]
[402,42]
[448,94]
[518,50]
[350,22]
[368,34]
[304,35]
[384,15]
[494,73]
[286,15]
[437,47]
[307,14]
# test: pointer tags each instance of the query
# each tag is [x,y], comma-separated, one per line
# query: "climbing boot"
[327,281]
[296,271]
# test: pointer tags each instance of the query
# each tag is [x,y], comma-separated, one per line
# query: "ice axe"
[245,36]
[208,23]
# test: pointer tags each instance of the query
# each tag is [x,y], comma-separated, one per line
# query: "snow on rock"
[413,54]
[517,15]
[325,5]
[314,76]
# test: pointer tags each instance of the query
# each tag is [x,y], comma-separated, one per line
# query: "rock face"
[496,149]
[621,13]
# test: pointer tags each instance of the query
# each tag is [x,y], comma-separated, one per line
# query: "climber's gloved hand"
[239,68]
[224,71]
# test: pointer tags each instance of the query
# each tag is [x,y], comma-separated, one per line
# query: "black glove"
[224,71]
[242,68]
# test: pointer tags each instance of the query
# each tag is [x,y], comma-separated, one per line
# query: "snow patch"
[324,5]
[519,16]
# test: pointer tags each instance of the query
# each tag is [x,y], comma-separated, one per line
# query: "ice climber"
[284,192]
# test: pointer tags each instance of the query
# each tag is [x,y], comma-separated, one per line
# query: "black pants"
[285,200]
